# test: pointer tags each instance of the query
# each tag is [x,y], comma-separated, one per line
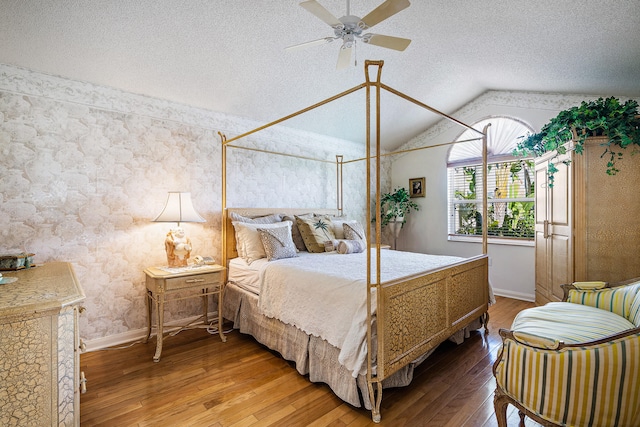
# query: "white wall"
[511,270]
[84,169]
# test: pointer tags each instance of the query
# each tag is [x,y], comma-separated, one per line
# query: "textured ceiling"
[228,55]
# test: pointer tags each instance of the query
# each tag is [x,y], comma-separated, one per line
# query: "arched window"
[510,183]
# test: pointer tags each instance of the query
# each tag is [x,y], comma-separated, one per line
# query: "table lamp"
[178,209]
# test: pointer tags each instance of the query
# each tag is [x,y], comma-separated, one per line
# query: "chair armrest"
[536,341]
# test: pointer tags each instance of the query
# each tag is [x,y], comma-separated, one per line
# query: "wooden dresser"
[40,377]
[588,224]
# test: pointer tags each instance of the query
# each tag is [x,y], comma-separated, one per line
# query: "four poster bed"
[356,319]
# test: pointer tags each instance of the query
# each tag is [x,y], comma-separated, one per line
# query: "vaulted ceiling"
[228,55]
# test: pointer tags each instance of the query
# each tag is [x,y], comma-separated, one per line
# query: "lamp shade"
[179,209]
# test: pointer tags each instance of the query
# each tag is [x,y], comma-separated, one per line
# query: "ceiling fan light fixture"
[348,40]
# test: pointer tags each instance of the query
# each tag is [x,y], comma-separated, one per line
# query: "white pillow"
[249,244]
[337,226]
[267,219]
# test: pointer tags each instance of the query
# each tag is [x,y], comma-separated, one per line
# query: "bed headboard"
[230,235]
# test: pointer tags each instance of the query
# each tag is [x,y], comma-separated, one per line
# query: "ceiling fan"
[350,28]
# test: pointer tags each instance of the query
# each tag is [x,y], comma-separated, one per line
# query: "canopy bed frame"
[409,317]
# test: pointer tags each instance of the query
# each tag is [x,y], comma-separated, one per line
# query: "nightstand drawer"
[207,280]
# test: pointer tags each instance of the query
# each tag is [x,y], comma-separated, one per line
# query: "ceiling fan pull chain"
[355,54]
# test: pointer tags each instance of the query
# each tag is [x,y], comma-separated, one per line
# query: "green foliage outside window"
[512,218]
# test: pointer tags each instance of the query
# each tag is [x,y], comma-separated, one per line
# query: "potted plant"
[617,121]
[394,207]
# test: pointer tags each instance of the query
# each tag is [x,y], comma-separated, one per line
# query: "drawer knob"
[194,280]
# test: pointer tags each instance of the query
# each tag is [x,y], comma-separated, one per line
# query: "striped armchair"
[574,363]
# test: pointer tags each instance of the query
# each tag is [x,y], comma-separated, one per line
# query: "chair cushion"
[570,323]
[617,300]
[634,311]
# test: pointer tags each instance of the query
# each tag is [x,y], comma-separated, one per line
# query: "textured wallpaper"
[84,169]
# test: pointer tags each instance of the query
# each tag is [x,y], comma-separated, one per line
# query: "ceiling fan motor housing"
[352,27]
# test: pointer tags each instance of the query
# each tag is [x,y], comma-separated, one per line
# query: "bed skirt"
[312,355]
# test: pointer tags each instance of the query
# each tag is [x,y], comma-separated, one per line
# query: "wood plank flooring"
[201,381]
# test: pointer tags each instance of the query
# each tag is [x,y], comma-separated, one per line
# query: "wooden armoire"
[588,223]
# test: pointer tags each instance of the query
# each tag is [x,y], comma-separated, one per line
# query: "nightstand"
[208,280]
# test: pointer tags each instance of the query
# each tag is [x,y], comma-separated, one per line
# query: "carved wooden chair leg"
[521,418]
[500,404]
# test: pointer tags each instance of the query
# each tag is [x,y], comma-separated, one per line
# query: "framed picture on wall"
[416,187]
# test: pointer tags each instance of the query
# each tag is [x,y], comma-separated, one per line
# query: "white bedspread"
[325,295]
[245,275]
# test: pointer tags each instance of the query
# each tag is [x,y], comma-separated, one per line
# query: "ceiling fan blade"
[384,11]
[344,58]
[319,11]
[324,40]
[390,42]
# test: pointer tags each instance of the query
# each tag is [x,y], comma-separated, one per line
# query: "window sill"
[492,240]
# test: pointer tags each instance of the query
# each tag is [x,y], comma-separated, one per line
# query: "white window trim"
[503,157]
[471,238]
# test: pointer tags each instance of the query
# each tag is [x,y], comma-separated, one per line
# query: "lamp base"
[178,248]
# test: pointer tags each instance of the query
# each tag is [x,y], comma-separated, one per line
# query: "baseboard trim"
[135,335]
[514,295]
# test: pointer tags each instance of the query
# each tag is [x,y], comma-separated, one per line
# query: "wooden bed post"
[485,212]
[485,208]
[223,216]
[339,199]
[375,394]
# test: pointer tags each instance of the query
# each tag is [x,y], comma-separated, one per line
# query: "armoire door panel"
[542,270]
[560,211]
[560,263]
[541,195]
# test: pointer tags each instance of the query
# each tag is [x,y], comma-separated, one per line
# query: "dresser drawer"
[207,280]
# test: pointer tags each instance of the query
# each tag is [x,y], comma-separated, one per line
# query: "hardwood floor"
[201,381]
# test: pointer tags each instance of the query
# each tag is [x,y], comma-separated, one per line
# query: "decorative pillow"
[589,285]
[337,226]
[350,246]
[315,231]
[354,231]
[331,245]
[634,311]
[277,242]
[268,219]
[295,232]
[250,245]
